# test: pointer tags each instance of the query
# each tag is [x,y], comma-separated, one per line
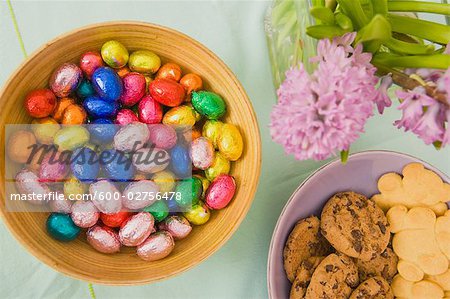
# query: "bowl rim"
[252,189]
[331,163]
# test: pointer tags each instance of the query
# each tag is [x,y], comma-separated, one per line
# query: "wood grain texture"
[77,259]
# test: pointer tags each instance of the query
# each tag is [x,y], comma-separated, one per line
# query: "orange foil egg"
[19,146]
[61,105]
[169,71]
[74,115]
[191,82]
[123,71]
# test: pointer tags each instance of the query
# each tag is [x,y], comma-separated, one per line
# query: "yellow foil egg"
[165,180]
[198,214]
[211,130]
[220,166]
[180,116]
[114,54]
[230,142]
[148,80]
[144,61]
[205,183]
[44,129]
[74,189]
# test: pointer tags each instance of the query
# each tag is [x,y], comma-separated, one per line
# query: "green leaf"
[325,31]
[323,14]
[343,21]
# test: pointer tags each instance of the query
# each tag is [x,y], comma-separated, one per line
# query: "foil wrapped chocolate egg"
[202,153]
[96,107]
[89,62]
[40,103]
[123,71]
[61,105]
[27,182]
[60,205]
[20,146]
[205,183]
[84,213]
[170,71]
[106,197]
[107,84]
[167,92]
[71,137]
[220,165]
[138,195]
[150,111]
[133,89]
[103,239]
[144,61]
[165,180]
[188,192]
[115,54]
[198,214]
[211,130]
[180,161]
[61,227]
[208,104]
[136,229]
[131,137]
[151,160]
[117,165]
[230,142]
[125,117]
[157,246]
[65,79]
[102,131]
[162,136]
[158,209]
[191,82]
[53,168]
[85,89]
[221,192]
[45,129]
[73,188]
[74,115]
[177,226]
[180,116]
[85,165]
[116,219]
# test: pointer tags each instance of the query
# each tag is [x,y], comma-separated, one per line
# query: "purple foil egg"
[151,160]
[133,89]
[103,239]
[106,197]
[84,214]
[27,182]
[52,169]
[156,247]
[131,137]
[162,136]
[136,229]
[125,117]
[138,195]
[202,153]
[65,79]
[220,192]
[178,226]
[60,204]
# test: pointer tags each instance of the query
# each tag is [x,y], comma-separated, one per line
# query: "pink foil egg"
[220,192]
[103,239]
[65,79]
[136,229]
[133,89]
[53,169]
[178,226]
[131,137]
[151,160]
[27,182]
[106,197]
[84,213]
[150,111]
[202,153]
[89,62]
[125,117]
[162,136]
[60,204]
[156,247]
[138,195]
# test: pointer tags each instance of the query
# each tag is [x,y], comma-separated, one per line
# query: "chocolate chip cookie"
[384,265]
[304,274]
[373,288]
[304,241]
[334,277]
[355,225]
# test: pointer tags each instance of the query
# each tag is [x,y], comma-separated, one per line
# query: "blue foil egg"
[181,161]
[102,131]
[173,206]
[85,164]
[107,84]
[61,227]
[117,165]
[85,89]
[99,108]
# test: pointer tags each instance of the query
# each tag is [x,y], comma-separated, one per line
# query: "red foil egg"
[53,169]
[40,103]
[125,117]
[156,247]
[167,92]
[178,226]
[65,79]
[150,111]
[115,220]
[89,62]
[220,192]
[84,214]
[133,89]
[136,229]
[103,239]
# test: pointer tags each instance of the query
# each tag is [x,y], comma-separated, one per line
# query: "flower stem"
[402,47]
[436,61]
[344,156]
[419,6]
[325,31]
[354,11]
[431,31]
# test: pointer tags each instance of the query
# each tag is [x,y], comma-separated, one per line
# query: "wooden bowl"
[77,258]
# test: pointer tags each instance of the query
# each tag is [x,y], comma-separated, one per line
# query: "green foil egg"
[61,227]
[159,210]
[208,104]
[188,192]
[199,214]
[71,137]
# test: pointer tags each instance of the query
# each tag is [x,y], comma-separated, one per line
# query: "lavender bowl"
[360,174]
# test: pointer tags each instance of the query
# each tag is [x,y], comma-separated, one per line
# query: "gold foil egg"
[45,129]
[165,180]
[114,54]
[230,142]
[220,166]
[198,214]
[211,130]
[74,189]
[144,61]
[180,116]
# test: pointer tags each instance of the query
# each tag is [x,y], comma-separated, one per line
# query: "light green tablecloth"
[234,31]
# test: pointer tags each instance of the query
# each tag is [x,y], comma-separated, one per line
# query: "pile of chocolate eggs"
[126,105]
